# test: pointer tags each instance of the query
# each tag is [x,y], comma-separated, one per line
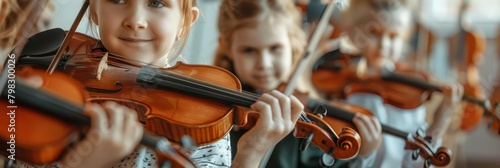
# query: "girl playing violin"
[379,33]
[153,32]
[260,41]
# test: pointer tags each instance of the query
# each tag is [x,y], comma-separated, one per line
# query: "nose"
[265,60]
[135,19]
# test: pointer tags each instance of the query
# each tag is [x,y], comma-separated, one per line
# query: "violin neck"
[412,81]
[349,116]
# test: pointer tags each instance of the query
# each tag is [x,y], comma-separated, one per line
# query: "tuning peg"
[420,132]
[188,143]
[427,163]
[306,141]
[326,159]
[414,154]
[320,111]
[428,139]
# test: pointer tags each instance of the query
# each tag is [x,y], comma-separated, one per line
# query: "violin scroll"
[423,148]
[346,138]
[344,146]
[442,157]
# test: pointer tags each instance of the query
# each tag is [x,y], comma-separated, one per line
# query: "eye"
[157,4]
[118,1]
[248,50]
[276,48]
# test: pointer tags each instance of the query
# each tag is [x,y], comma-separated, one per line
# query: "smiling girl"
[153,32]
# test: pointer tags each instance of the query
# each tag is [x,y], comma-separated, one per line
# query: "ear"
[195,13]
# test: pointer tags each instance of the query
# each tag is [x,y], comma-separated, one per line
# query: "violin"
[338,79]
[325,72]
[342,115]
[168,112]
[162,112]
[46,122]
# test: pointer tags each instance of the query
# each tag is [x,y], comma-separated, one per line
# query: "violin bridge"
[103,65]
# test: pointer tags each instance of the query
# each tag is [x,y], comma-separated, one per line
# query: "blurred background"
[477,147]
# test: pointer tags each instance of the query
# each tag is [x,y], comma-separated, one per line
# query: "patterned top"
[216,155]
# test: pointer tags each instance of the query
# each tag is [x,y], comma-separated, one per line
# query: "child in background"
[261,41]
[379,32]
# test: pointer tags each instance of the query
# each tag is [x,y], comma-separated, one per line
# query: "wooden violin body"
[162,111]
[45,123]
[45,140]
[337,78]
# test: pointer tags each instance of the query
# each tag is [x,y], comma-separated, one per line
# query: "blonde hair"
[178,46]
[236,14]
[14,17]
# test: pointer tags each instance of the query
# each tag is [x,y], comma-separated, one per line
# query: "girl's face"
[142,30]
[378,34]
[382,46]
[262,55]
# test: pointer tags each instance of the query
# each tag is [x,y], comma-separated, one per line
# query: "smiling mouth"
[134,40]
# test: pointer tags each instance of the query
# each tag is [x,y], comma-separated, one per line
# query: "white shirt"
[391,152]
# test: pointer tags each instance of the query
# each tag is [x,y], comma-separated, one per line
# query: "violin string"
[242,96]
[302,117]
